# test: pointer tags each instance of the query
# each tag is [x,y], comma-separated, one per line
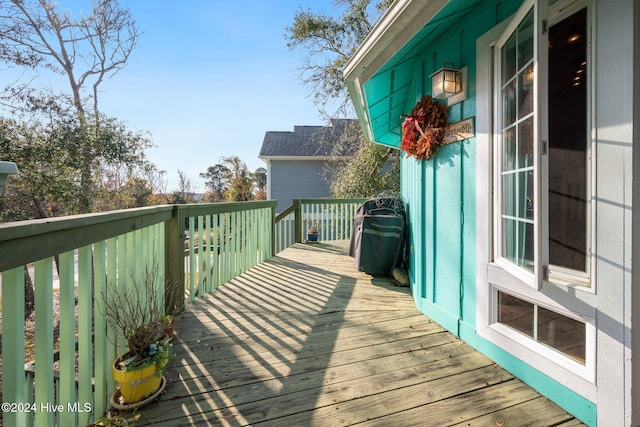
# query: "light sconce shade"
[6,168]
[445,82]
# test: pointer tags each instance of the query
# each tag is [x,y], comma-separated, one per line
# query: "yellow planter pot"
[138,384]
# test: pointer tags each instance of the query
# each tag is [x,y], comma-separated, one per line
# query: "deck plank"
[305,339]
[550,414]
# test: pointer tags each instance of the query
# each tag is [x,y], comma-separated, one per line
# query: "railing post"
[297,221]
[174,261]
[273,231]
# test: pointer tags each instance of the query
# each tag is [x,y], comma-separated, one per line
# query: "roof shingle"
[304,141]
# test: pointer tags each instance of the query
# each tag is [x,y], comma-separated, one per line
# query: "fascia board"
[305,158]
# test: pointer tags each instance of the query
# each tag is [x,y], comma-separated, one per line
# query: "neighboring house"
[296,161]
[522,237]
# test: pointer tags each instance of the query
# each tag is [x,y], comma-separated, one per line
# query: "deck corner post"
[174,260]
[297,224]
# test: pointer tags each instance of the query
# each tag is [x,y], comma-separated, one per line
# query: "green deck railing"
[333,217]
[84,258]
[224,244]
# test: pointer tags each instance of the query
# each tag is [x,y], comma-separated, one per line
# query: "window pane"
[525,91]
[559,332]
[527,188]
[509,194]
[525,143]
[517,146]
[525,40]
[517,190]
[509,55]
[526,257]
[509,143]
[562,333]
[515,313]
[517,245]
[509,104]
[509,239]
[568,211]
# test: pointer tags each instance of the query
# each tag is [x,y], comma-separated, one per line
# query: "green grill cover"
[377,243]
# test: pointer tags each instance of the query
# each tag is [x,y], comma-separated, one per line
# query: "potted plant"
[115,421]
[169,323]
[312,232]
[136,312]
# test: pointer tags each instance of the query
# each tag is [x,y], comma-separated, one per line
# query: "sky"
[209,78]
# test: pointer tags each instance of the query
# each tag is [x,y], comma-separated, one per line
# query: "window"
[535,298]
[543,175]
[538,211]
[516,136]
[552,329]
[568,157]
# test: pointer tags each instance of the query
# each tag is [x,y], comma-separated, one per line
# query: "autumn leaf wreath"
[424,128]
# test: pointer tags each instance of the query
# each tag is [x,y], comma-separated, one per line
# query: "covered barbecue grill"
[377,242]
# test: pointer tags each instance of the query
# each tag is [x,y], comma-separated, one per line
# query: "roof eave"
[394,29]
[306,158]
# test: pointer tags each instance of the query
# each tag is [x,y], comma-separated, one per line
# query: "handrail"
[285,212]
[23,242]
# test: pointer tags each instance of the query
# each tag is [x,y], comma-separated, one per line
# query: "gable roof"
[305,141]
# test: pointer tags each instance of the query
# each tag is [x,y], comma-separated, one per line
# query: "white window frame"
[533,279]
[568,297]
[557,274]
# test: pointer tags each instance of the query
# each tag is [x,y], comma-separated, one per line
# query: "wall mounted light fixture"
[6,168]
[449,83]
[445,82]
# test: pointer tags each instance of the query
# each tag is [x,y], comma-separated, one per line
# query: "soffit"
[391,91]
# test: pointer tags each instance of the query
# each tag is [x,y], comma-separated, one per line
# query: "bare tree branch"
[328,43]
[38,34]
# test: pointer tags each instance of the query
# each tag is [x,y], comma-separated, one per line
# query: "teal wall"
[441,194]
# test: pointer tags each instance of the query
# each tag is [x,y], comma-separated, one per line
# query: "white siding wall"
[297,179]
[613,115]
[635,257]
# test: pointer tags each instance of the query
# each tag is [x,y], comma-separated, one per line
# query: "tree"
[44,183]
[37,34]
[184,193]
[231,180]
[65,139]
[329,42]
[260,181]
[48,155]
[373,168]
[135,192]
[216,180]
[240,186]
[260,178]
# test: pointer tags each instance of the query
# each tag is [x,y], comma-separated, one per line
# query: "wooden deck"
[304,339]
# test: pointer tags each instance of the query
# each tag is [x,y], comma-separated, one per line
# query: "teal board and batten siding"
[441,192]
[441,197]
[297,179]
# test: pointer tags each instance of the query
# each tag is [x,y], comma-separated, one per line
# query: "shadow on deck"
[305,339]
